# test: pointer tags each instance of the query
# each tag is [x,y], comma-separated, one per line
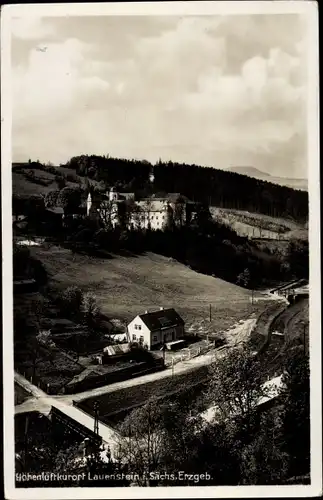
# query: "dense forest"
[207,185]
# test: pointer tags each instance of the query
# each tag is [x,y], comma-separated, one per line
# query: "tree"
[36,312]
[90,308]
[146,210]
[51,198]
[298,258]
[244,278]
[203,217]
[235,387]
[296,416]
[108,211]
[264,461]
[69,199]
[38,353]
[179,213]
[127,209]
[21,261]
[141,440]
[60,181]
[182,424]
[32,442]
[136,216]
[71,300]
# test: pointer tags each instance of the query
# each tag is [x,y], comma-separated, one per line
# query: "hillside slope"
[127,286]
[293,183]
[43,181]
[256,225]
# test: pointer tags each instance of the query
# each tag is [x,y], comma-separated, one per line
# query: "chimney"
[161,308]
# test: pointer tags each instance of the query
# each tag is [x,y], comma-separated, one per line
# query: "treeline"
[208,185]
[125,175]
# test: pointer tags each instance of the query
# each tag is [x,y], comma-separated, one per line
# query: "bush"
[71,300]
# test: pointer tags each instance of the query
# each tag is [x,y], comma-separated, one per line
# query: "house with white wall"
[153,329]
[148,213]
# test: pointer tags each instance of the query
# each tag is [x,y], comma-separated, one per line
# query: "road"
[40,401]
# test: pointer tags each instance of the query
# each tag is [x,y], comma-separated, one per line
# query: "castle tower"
[88,204]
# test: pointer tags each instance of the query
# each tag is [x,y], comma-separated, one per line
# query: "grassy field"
[115,406]
[127,286]
[23,185]
[258,225]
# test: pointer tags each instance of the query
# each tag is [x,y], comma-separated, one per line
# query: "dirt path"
[39,400]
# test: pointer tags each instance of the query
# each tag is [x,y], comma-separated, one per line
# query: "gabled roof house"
[153,329]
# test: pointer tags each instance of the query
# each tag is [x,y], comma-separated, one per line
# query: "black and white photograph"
[161,250]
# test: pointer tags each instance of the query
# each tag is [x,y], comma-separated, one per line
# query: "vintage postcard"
[161,250]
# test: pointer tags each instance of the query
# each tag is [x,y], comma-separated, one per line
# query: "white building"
[159,212]
[153,329]
[149,213]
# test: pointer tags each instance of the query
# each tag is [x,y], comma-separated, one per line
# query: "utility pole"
[164,349]
[210,313]
[96,417]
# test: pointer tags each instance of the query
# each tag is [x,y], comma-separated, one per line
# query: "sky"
[216,91]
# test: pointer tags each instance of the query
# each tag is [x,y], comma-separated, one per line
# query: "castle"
[154,213]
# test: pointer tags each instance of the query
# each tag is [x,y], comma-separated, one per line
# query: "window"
[134,337]
[155,338]
[139,327]
[141,339]
[135,327]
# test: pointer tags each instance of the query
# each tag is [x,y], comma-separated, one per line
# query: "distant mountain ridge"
[264,176]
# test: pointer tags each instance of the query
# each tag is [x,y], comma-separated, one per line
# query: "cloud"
[55,79]
[211,90]
[32,28]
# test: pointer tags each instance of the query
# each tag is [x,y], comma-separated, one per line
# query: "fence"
[189,353]
[66,387]
[49,388]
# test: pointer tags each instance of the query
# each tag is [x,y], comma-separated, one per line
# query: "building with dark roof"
[155,212]
[154,329]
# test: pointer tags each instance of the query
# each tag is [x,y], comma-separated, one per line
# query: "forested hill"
[209,185]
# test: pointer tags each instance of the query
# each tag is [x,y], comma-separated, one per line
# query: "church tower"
[88,204]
